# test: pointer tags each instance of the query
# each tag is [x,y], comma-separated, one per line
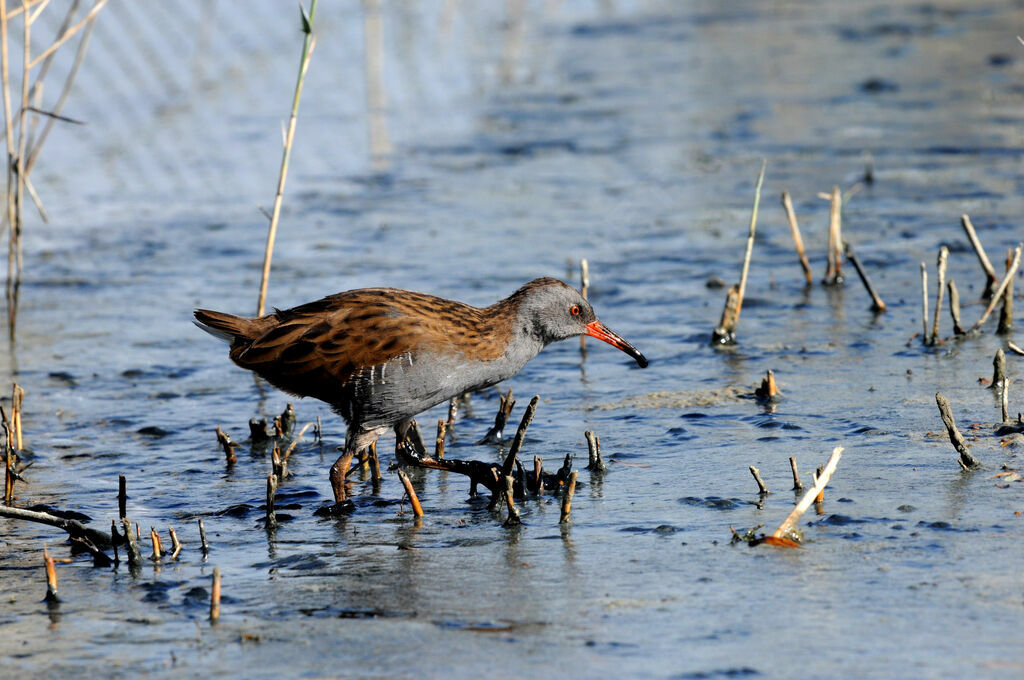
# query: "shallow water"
[627,133]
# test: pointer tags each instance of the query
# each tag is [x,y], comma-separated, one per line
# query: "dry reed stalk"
[1004,401]
[979,250]
[876,302]
[51,577]
[814,478]
[750,238]
[517,442]
[17,399]
[797,484]
[414,501]
[509,494]
[584,290]
[954,308]
[1014,347]
[158,549]
[439,440]
[595,463]
[833,273]
[505,406]
[761,488]
[725,333]
[966,460]
[375,476]
[175,543]
[997,296]
[808,499]
[924,302]
[204,546]
[53,115]
[768,390]
[131,544]
[940,265]
[798,241]
[567,494]
[9,137]
[998,369]
[68,34]
[1007,311]
[215,596]
[228,445]
[538,475]
[307,50]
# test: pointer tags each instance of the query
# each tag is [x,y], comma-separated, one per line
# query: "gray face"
[555,312]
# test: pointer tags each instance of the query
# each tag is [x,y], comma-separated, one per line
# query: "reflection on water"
[461,149]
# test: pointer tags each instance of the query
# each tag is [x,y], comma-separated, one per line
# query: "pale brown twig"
[808,498]
[1010,273]
[567,494]
[307,50]
[990,272]
[966,460]
[787,204]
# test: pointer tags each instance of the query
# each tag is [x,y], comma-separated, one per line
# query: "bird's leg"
[403,449]
[338,472]
[355,440]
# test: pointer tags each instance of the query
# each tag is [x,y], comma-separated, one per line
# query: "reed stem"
[275,216]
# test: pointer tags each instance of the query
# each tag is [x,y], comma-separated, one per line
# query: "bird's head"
[551,310]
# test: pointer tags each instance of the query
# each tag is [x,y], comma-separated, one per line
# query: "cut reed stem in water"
[998,369]
[414,500]
[595,462]
[204,546]
[954,308]
[833,272]
[924,303]
[990,273]
[1005,312]
[761,488]
[567,494]
[797,484]
[1001,288]
[51,577]
[941,288]
[798,241]
[439,440]
[966,460]
[227,445]
[175,543]
[215,596]
[877,305]
[158,550]
[786,528]
[1004,401]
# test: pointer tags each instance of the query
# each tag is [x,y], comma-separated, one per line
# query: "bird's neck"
[507,322]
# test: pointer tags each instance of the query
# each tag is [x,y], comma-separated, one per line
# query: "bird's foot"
[340,509]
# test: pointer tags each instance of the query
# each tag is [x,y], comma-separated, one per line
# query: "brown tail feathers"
[227,327]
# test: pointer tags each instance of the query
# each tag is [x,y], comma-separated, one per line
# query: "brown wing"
[317,349]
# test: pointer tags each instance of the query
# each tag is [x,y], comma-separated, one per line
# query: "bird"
[380,356]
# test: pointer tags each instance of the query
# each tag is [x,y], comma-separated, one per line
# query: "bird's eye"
[575,310]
